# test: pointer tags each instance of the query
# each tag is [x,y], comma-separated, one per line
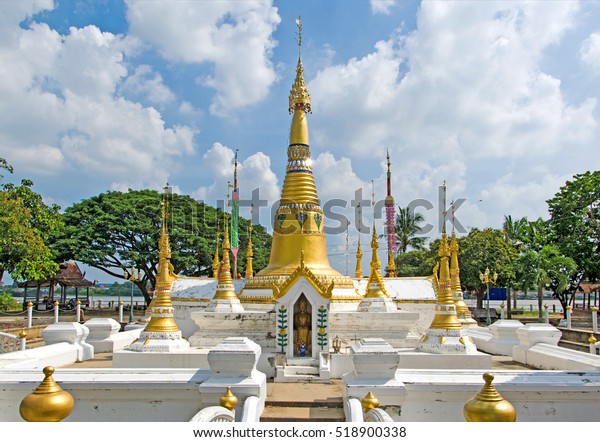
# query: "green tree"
[117,230]
[546,268]
[26,224]
[575,222]
[414,263]
[407,229]
[482,249]
[8,303]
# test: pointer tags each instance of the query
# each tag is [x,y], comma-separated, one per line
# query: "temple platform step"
[303,403]
[302,362]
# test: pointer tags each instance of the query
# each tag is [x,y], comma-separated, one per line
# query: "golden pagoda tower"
[225,298]
[445,334]
[216,263]
[299,220]
[162,334]
[463,312]
[376,297]
[358,271]
[249,253]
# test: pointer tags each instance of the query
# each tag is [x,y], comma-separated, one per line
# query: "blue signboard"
[497,293]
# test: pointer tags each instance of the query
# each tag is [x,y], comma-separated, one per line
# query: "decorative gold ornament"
[48,402]
[369,402]
[462,309]
[488,405]
[30,304]
[22,334]
[592,340]
[228,400]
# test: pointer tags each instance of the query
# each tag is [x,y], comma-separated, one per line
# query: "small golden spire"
[225,288]
[215,263]
[592,340]
[445,311]
[228,400]
[461,307]
[161,308]
[359,254]
[375,287]
[249,253]
[488,405]
[369,402]
[48,402]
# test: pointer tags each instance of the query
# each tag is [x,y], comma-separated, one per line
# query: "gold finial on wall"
[488,405]
[48,402]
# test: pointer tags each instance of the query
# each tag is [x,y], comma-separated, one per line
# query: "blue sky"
[500,99]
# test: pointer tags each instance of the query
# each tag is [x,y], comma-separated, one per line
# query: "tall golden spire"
[162,310]
[249,253]
[215,263]
[299,220]
[461,306]
[375,287]
[225,288]
[445,310]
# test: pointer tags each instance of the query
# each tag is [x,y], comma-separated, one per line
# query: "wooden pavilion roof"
[69,275]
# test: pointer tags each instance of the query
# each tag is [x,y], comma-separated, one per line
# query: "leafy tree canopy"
[26,224]
[115,231]
[575,222]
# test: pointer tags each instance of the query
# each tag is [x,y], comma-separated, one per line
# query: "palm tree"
[546,267]
[407,227]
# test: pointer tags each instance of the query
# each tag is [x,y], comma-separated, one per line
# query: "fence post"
[78,311]
[55,312]
[23,336]
[502,309]
[546,317]
[120,312]
[29,314]
[569,317]
[592,341]
[595,319]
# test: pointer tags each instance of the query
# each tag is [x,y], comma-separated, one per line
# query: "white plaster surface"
[72,333]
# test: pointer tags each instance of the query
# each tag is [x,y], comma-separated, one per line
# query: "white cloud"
[254,172]
[382,6]
[234,37]
[466,90]
[60,108]
[150,84]
[589,54]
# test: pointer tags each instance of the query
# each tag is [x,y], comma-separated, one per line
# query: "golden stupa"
[299,220]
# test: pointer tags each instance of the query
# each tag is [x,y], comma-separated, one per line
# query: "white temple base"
[411,359]
[225,306]
[160,342]
[443,341]
[377,305]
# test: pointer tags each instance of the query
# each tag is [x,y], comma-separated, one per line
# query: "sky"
[498,99]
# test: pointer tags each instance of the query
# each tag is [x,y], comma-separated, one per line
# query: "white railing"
[214,414]
[9,343]
[252,409]
[378,415]
[353,410]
